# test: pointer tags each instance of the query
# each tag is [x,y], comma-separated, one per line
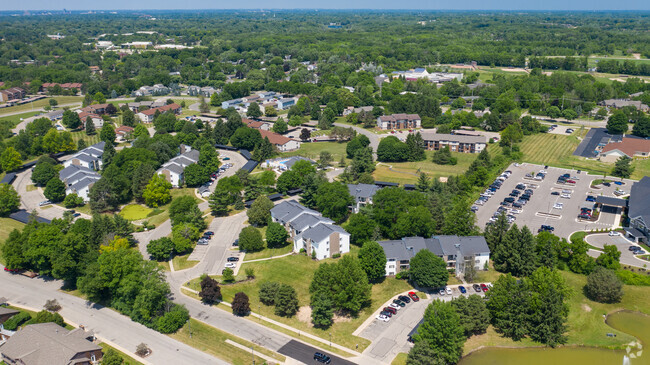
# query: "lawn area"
[213,341]
[134,212]
[6,226]
[586,326]
[313,149]
[400,359]
[284,270]
[180,262]
[164,210]
[268,252]
[90,140]
[41,103]
[15,119]
[128,360]
[408,172]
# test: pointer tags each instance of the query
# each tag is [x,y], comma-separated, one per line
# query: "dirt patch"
[636,55]
[586,308]
[304,314]
[338,318]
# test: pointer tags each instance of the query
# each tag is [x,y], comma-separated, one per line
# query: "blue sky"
[329,4]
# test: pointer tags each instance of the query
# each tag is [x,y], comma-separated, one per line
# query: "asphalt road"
[623,244]
[106,323]
[305,354]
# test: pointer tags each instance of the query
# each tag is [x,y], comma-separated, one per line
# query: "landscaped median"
[297,271]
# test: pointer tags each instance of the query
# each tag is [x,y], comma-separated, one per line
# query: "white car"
[231,265]
[393,305]
[442,292]
[567,196]
[44,202]
[448,290]
[515,211]
[558,206]
[383,318]
[614,233]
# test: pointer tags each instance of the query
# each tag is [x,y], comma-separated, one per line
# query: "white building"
[455,142]
[89,157]
[78,180]
[282,143]
[362,194]
[310,231]
[173,169]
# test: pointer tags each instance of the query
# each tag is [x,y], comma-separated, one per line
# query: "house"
[310,231]
[282,143]
[456,143]
[283,163]
[205,91]
[97,120]
[123,132]
[146,116]
[173,169]
[471,249]
[90,157]
[231,103]
[621,103]
[53,115]
[285,103]
[67,86]
[639,210]
[256,124]
[137,106]
[11,94]
[78,180]
[362,194]
[49,343]
[156,90]
[399,121]
[627,146]
[95,108]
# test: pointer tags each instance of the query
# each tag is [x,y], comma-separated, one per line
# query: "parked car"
[236,243]
[322,358]
[441,291]
[614,233]
[591,198]
[75,215]
[462,289]
[404,298]
[566,196]
[230,265]
[44,202]
[484,287]
[521,186]
[226,158]
[477,288]
[558,206]
[383,318]
[618,182]
[448,291]
[385,313]
[208,233]
[546,228]
[414,296]
[233,259]
[390,310]
[17,270]
[399,302]
[555,193]
[570,181]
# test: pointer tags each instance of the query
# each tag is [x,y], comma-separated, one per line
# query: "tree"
[508,306]
[276,235]
[240,306]
[361,228]
[9,200]
[43,172]
[325,159]
[579,260]
[474,313]
[185,209]
[496,232]
[228,275]
[219,201]
[391,149]
[333,200]
[422,354]
[107,134]
[266,178]
[345,283]
[161,249]
[264,150]
[112,357]
[183,236]
[443,157]
[604,286]
[617,123]
[610,257]
[55,190]
[460,220]
[259,213]
[71,119]
[548,310]
[280,126]
[289,179]
[321,310]
[254,110]
[90,126]
[81,144]
[73,200]
[516,253]
[442,331]
[107,156]
[210,290]
[10,159]
[250,239]
[46,317]
[428,270]
[270,111]
[286,301]
[128,118]
[246,138]
[140,178]
[195,175]
[623,167]
[157,191]
[268,291]
[305,134]
[373,261]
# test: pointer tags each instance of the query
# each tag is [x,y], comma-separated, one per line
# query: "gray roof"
[288,210]
[442,137]
[322,231]
[639,204]
[609,200]
[72,170]
[292,160]
[47,343]
[173,167]
[85,157]
[5,311]
[362,190]
[594,138]
[8,178]
[468,245]
[81,184]
[305,220]
[441,246]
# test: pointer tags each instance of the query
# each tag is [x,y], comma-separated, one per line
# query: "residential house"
[282,143]
[78,180]
[97,120]
[53,115]
[90,157]
[285,103]
[310,231]
[456,251]
[137,106]
[12,94]
[256,124]
[283,163]
[156,90]
[66,86]
[173,169]
[55,37]
[639,210]
[627,146]
[231,103]
[362,194]
[49,343]
[124,132]
[456,143]
[399,121]
[146,116]
[95,108]
[620,103]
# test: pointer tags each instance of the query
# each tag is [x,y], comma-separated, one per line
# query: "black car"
[477,288]
[320,357]
[386,313]
[521,186]
[524,197]
[517,205]
[509,200]
[236,243]
[555,193]
[399,302]
[232,259]
[529,191]
[208,233]
[607,184]
[546,228]
[404,299]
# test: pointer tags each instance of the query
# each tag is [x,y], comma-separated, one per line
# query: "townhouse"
[78,179]
[282,143]
[146,116]
[97,120]
[285,103]
[456,143]
[12,94]
[90,157]
[362,194]
[310,231]
[174,169]
[399,121]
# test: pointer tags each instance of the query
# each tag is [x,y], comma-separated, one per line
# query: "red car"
[484,287]
[413,296]
[11,270]
[391,310]
[571,181]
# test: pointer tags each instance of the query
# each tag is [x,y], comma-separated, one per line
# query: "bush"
[46,317]
[142,350]
[228,275]
[171,321]
[268,291]
[286,301]
[161,249]
[250,239]
[604,286]
[250,273]
[276,235]
[111,357]
[631,278]
[240,304]
[52,305]
[210,290]
[14,322]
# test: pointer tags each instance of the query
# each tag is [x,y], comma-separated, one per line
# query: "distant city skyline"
[587,5]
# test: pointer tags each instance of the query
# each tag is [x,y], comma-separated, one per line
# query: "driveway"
[602,239]
[373,137]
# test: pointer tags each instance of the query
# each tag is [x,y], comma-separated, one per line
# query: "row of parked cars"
[205,239]
[396,305]
[491,190]
[514,202]
[463,290]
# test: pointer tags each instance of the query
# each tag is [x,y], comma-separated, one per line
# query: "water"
[635,324]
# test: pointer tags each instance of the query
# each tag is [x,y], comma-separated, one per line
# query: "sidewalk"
[268,258]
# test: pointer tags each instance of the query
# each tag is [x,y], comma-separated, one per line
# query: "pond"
[635,324]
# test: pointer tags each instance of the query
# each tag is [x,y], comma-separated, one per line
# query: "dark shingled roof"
[246,153]
[22,216]
[224,147]
[250,165]
[639,205]
[294,191]
[385,183]
[9,178]
[608,200]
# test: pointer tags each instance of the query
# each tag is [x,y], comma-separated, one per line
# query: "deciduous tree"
[428,270]
[250,239]
[157,191]
[373,261]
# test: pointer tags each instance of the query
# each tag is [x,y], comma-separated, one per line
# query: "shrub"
[286,301]
[171,321]
[46,317]
[250,239]
[52,305]
[142,350]
[240,304]
[604,286]
[228,275]
[250,273]
[210,290]
[268,291]
[14,322]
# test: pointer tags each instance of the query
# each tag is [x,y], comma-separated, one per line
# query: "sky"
[327,4]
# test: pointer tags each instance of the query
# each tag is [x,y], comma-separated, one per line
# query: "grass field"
[128,360]
[181,263]
[400,359]
[312,150]
[164,214]
[134,212]
[408,172]
[6,226]
[268,252]
[42,103]
[213,341]
[90,140]
[15,119]
[284,270]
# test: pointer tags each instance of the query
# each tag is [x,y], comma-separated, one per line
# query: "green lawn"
[42,103]
[213,341]
[164,210]
[284,270]
[313,149]
[128,360]
[6,226]
[268,252]
[134,212]
[15,119]
[408,172]
[90,140]
[400,359]
[181,263]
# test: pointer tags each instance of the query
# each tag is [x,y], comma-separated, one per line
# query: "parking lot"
[544,208]
[623,245]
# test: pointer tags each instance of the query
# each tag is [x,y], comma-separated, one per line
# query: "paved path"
[269,258]
[106,323]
